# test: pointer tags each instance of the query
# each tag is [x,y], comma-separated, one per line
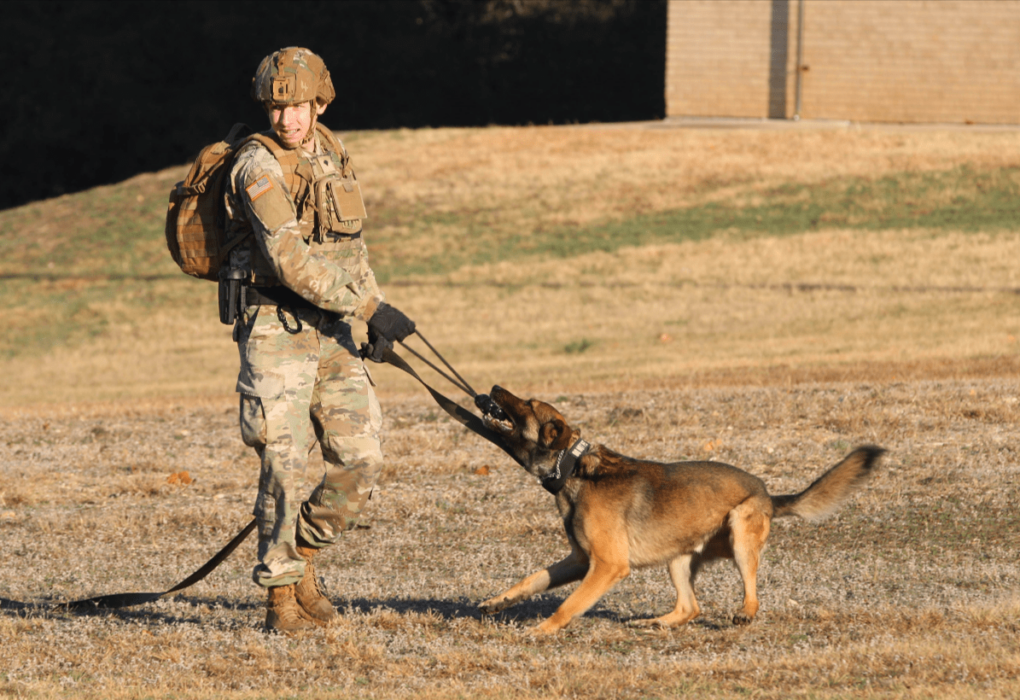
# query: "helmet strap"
[310,136]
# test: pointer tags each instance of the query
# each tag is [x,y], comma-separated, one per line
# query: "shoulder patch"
[259,187]
[269,201]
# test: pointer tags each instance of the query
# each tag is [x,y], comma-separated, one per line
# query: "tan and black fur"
[622,513]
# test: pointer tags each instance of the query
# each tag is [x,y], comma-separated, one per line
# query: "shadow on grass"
[17,605]
[537,608]
[525,613]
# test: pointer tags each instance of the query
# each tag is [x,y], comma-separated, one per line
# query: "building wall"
[863,60]
[718,58]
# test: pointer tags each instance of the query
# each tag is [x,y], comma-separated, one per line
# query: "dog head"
[532,430]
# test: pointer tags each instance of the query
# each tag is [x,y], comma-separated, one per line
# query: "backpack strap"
[297,171]
[332,140]
[238,130]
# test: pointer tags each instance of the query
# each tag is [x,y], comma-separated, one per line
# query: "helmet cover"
[291,76]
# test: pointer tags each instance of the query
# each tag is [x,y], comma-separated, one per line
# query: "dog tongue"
[487,406]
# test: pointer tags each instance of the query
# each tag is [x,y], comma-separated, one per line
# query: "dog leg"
[682,576]
[568,570]
[750,529]
[609,565]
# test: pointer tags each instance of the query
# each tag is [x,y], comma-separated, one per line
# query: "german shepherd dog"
[622,513]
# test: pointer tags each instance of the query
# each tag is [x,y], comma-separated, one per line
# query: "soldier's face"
[292,122]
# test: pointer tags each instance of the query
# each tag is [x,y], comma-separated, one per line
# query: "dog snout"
[489,407]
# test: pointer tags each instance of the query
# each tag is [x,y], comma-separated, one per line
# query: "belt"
[276,296]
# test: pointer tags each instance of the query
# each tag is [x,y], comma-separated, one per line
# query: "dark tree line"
[95,92]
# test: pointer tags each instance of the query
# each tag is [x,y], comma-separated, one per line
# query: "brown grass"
[908,592]
[775,354]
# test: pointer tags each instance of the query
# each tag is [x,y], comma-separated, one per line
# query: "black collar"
[555,480]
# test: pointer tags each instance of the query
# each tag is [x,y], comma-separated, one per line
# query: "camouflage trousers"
[297,386]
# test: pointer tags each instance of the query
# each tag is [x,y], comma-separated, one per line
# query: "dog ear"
[555,435]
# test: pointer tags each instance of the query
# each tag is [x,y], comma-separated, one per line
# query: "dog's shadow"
[526,612]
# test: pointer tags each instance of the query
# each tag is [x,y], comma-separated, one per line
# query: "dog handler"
[305,275]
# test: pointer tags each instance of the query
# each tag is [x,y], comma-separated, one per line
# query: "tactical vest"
[327,199]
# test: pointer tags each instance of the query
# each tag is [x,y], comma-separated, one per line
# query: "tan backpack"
[195,225]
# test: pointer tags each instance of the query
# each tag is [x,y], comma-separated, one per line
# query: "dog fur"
[622,513]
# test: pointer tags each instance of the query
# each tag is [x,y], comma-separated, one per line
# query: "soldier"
[305,269]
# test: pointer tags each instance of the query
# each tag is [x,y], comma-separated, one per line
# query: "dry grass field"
[768,299]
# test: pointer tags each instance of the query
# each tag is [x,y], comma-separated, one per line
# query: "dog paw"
[662,623]
[741,619]
[494,605]
[646,622]
[543,630]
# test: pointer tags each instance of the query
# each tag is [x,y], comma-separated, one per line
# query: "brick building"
[955,61]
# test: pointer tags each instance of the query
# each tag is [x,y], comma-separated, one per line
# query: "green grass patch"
[961,199]
[63,262]
[42,314]
[578,346]
[117,231]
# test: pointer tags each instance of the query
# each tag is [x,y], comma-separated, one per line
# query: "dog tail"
[822,498]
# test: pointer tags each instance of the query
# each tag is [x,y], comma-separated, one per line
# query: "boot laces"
[320,589]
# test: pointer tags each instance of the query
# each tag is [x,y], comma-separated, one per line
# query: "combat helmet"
[291,76]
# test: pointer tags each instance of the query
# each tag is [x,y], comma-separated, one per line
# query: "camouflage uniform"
[301,376]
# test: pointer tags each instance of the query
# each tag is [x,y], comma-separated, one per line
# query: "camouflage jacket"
[301,238]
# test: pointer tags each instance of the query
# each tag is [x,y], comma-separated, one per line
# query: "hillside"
[577,257]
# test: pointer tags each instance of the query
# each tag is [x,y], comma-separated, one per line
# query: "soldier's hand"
[376,347]
[390,323]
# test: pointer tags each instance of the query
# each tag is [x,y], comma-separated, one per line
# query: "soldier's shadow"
[48,608]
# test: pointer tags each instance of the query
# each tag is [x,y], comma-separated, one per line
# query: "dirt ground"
[910,591]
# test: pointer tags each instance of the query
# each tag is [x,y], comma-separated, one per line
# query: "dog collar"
[554,482]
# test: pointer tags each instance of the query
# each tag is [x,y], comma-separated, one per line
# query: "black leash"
[455,410]
[565,463]
[484,403]
[123,600]
[463,386]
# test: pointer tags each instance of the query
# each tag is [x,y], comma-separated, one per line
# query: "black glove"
[376,346]
[389,323]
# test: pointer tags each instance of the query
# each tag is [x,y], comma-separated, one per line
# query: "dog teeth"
[504,426]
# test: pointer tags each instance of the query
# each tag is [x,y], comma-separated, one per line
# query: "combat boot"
[309,592]
[283,614]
